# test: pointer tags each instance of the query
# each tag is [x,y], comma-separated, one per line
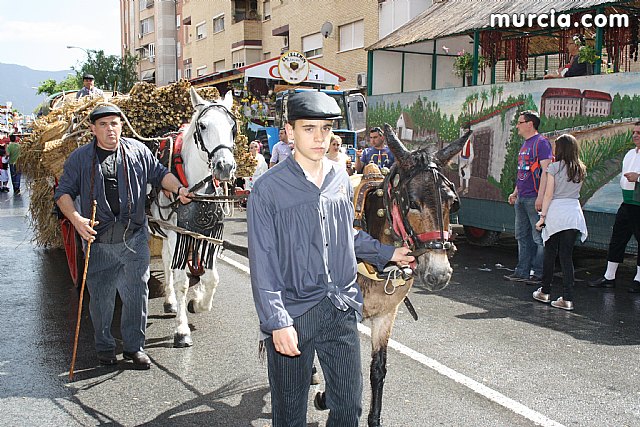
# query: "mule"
[410,207]
[207,156]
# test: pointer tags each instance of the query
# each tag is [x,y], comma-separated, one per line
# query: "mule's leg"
[204,291]
[182,334]
[381,326]
[170,303]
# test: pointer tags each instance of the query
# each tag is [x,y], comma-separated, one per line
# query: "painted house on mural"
[419,76]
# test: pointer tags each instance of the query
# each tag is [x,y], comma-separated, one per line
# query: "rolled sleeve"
[371,250]
[266,279]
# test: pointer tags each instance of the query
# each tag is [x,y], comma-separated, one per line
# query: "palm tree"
[494,92]
[500,92]
[484,96]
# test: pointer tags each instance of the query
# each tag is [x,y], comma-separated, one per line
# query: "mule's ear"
[196,99]
[447,153]
[396,146]
[228,100]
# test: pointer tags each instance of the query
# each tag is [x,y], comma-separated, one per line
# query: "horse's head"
[419,199]
[214,130]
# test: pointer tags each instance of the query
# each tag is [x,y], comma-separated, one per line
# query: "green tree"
[50,86]
[111,72]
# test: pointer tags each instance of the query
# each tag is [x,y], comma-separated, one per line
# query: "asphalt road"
[483,352]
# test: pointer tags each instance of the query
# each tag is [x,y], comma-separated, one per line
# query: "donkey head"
[423,198]
[214,130]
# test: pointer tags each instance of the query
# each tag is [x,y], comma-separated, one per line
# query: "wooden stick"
[84,280]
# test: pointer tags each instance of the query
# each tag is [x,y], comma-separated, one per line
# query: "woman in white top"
[262,167]
[561,219]
[334,153]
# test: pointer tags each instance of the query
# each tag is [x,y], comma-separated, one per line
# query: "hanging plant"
[463,63]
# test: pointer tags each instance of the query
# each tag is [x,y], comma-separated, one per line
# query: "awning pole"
[476,52]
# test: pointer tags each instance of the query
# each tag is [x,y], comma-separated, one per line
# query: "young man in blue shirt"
[302,254]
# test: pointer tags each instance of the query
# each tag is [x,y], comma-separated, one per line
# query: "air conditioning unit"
[140,35]
[361,79]
[152,59]
[285,41]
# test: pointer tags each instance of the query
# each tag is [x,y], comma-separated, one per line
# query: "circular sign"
[293,67]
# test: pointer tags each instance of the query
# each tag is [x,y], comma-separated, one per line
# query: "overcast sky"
[35,33]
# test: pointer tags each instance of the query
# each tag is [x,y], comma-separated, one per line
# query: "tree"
[50,86]
[111,72]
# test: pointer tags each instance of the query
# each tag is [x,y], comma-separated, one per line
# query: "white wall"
[387,72]
[417,72]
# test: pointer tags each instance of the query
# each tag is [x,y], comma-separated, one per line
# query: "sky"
[36,33]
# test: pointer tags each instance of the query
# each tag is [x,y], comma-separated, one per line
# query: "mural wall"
[598,110]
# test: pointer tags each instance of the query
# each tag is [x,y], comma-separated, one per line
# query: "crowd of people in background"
[9,170]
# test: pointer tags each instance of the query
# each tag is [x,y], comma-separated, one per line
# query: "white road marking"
[475,386]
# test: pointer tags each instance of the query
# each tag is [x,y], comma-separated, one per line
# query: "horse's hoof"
[191,307]
[182,341]
[170,308]
[315,377]
[320,402]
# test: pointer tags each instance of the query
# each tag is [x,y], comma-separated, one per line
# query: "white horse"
[207,154]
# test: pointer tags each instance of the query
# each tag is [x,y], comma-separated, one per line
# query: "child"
[4,169]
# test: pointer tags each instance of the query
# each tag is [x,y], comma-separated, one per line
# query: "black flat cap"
[104,110]
[312,105]
[88,77]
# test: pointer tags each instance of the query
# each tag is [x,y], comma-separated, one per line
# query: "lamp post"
[81,48]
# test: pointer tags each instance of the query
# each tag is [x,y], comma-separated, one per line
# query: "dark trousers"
[16,174]
[333,335]
[627,224]
[561,243]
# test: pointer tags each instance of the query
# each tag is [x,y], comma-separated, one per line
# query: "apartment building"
[148,29]
[197,38]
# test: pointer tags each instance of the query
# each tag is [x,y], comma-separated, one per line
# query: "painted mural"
[598,110]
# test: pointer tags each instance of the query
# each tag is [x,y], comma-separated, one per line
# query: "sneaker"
[515,278]
[534,281]
[538,295]
[561,303]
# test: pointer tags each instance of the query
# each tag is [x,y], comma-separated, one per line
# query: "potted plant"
[463,66]
[587,54]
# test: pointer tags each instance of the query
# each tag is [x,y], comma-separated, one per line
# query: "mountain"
[17,82]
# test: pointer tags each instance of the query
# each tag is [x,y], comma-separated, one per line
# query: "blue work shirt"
[302,245]
[142,168]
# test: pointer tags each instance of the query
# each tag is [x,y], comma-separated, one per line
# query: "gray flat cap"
[88,77]
[104,110]
[312,105]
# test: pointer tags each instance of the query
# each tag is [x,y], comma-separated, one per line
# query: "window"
[178,21]
[238,58]
[201,31]
[218,66]
[266,10]
[218,23]
[144,4]
[146,26]
[352,36]
[312,45]
[267,55]
[151,50]
[178,49]
[201,71]
[187,72]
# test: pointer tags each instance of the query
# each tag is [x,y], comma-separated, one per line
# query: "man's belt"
[116,233]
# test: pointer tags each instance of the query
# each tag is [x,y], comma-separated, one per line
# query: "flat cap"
[312,105]
[87,76]
[104,110]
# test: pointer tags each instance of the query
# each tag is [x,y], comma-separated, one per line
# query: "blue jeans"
[530,247]
[114,267]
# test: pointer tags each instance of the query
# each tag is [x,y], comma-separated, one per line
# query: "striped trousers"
[114,267]
[333,335]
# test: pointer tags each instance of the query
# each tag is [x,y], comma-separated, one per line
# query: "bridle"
[199,140]
[397,203]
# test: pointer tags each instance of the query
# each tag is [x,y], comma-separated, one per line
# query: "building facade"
[194,38]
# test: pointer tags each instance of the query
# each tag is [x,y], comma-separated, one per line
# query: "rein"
[197,135]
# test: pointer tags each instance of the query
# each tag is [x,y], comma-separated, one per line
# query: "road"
[483,352]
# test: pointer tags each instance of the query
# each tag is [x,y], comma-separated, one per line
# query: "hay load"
[152,111]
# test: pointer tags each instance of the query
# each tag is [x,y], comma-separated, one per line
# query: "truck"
[350,128]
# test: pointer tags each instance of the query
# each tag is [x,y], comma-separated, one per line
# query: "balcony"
[247,29]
